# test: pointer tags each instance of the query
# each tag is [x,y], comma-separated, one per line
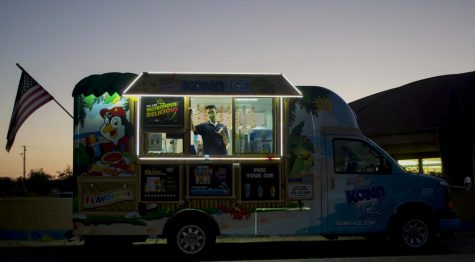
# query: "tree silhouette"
[65,180]
[10,187]
[39,182]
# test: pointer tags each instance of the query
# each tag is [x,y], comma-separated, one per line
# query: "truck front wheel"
[190,239]
[414,232]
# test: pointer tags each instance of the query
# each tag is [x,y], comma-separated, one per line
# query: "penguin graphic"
[115,129]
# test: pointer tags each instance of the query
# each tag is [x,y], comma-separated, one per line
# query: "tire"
[414,233]
[190,239]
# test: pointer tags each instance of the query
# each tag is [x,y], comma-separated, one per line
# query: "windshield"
[393,162]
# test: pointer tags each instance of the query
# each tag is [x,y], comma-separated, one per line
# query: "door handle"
[332,186]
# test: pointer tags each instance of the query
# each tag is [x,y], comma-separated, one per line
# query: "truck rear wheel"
[414,232]
[190,239]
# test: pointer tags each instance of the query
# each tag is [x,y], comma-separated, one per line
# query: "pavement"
[467,226]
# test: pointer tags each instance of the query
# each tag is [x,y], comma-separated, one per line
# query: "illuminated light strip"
[133,82]
[213,158]
[281,127]
[210,158]
[137,134]
[210,73]
[247,99]
[293,86]
[208,95]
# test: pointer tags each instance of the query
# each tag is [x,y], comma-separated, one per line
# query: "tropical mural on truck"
[103,134]
[302,141]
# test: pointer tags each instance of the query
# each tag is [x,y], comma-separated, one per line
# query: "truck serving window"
[358,157]
[248,125]
[162,125]
[210,116]
[254,126]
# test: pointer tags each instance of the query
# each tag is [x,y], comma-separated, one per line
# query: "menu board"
[162,111]
[260,182]
[160,182]
[210,180]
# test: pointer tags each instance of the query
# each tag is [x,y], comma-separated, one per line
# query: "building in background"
[427,125]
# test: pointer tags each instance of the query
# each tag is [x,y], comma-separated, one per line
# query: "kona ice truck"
[296,163]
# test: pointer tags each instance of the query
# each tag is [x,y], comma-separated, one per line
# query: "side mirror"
[467,183]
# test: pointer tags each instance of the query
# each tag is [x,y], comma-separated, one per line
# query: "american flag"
[29,97]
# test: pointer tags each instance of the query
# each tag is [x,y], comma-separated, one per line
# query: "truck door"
[359,188]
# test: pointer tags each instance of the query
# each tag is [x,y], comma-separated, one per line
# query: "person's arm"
[224,134]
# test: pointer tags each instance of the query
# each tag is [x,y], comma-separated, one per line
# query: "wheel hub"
[191,239]
[415,233]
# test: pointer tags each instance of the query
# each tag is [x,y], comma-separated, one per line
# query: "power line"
[50,149]
[9,172]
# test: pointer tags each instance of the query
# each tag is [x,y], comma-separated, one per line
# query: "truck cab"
[364,190]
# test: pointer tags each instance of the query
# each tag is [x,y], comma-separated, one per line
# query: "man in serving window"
[213,133]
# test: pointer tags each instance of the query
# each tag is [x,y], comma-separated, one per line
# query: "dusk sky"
[355,48]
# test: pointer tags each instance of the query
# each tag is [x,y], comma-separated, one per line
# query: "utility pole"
[24,163]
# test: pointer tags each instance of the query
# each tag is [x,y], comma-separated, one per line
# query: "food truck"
[295,163]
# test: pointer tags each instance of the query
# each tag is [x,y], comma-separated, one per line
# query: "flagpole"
[54,99]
